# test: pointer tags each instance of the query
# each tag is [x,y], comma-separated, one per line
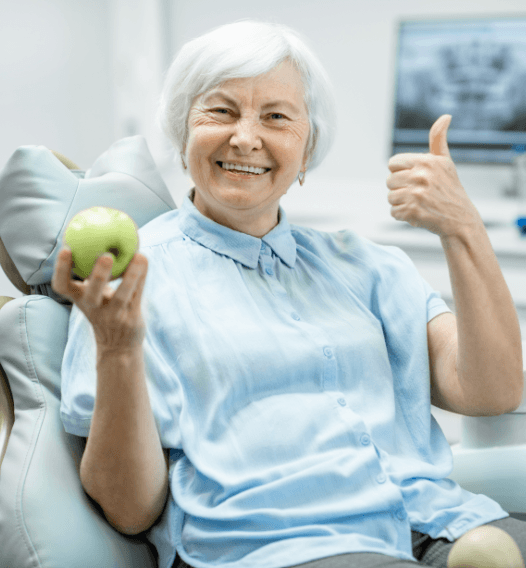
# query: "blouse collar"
[238,246]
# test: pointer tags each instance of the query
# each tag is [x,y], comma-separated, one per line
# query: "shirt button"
[296,317]
[269,271]
[365,440]
[401,514]
[328,352]
[263,247]
[342,402]
[381,478]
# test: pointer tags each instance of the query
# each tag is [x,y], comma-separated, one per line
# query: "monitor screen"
[473,69]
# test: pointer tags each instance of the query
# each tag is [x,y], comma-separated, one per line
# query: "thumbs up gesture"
[425,190]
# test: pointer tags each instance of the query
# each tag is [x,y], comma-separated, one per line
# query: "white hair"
[246,48]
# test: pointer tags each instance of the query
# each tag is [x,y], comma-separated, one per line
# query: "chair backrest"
[46,518]
[7,409]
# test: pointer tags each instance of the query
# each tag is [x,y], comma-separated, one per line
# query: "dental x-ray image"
[474,70]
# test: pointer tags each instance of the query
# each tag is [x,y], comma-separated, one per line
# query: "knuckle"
[412,209]
[419,192]
[420,177]
[118,302]
[91,302]
[394,199]
[395,212]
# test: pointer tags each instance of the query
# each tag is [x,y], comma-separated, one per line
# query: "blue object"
[521,224]
[296,401]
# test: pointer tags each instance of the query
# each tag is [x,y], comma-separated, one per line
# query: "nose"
[246,136]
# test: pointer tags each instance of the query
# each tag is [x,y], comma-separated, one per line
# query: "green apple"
[98,230]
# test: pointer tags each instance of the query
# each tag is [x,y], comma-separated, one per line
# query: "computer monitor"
[473,69]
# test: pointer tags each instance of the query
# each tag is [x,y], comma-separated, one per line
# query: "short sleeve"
[79,376]
[402,291]
[79,365]
[435,304]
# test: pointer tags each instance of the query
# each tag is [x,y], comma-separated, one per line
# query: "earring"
[182,160]
[301,178]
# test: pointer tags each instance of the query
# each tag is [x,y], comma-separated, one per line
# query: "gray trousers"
[430,553]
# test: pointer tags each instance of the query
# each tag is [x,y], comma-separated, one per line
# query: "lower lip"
[243,177]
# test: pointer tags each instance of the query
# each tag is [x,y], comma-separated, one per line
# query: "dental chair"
[46,518]
[491,457]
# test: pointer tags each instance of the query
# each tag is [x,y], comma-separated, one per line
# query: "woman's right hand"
[114,314]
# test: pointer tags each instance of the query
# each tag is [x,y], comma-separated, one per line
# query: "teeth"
[249,169]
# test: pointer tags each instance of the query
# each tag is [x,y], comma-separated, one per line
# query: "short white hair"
[246,48]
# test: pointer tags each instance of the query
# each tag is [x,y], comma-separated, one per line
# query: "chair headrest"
[39,195]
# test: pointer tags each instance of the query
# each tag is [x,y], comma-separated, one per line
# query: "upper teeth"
[250,169]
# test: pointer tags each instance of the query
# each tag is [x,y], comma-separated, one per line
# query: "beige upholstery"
[66,161]
[12,272]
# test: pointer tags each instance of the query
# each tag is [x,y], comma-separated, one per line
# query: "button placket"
[329,374]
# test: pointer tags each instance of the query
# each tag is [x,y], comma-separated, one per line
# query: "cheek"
[295,142]
[202,143]
[291,153]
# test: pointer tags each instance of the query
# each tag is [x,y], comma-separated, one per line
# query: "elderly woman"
[262,389]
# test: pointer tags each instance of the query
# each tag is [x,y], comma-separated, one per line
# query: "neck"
[254,223]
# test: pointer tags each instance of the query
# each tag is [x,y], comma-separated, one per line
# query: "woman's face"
[261,122]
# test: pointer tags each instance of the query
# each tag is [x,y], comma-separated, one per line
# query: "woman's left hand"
[426,191]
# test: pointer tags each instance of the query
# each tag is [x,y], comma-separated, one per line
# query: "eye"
[277,115]
[221,110]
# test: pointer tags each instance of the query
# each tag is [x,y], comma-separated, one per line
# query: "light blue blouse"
[289,375]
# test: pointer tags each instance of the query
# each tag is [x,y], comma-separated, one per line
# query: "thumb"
[438,136]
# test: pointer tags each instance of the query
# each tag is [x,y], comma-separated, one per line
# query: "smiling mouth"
[242,172]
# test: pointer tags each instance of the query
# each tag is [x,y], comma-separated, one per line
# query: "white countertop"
[362,206]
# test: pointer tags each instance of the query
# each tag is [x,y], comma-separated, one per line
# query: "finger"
[97,280]
[61,282]
[397,197]
[402,162]
[398,179]
[438,136]
[131,282]
[140,284]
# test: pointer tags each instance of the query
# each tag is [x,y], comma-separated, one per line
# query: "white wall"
[55,77]
[55,81]
[356,42]
[61,80]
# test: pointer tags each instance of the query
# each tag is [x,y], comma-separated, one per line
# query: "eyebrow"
[270,104]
